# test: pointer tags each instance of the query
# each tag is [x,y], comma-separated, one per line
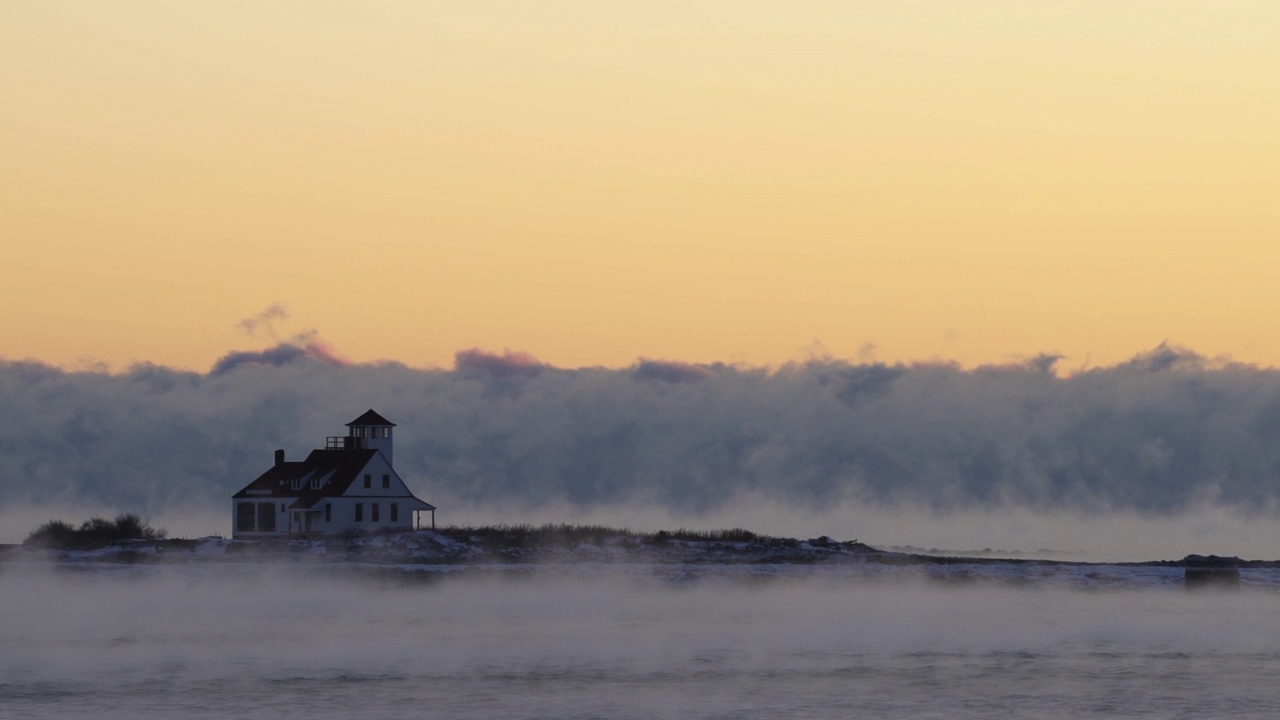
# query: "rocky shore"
[466,546]
[563,545]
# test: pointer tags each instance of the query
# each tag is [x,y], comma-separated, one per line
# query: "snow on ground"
[429,553]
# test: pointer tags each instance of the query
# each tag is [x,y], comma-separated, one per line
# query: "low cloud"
[1158,435]
[671,372]
[1165,357]
[499,365]
[299,350]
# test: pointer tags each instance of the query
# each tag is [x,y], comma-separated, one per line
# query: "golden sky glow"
[594,182]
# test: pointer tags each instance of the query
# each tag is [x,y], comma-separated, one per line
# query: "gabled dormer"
[374,433]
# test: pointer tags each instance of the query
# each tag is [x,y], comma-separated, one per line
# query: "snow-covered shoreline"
[429,554]
[432,547]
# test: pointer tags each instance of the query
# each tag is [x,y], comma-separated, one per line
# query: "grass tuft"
[92,533]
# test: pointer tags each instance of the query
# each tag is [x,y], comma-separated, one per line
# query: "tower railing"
[343,442]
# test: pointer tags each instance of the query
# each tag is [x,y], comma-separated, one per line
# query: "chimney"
[279,457]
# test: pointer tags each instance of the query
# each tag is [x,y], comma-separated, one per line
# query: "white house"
[349,485]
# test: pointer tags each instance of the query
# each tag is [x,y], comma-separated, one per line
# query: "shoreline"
[490,547]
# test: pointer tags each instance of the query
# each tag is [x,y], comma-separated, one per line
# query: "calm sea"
[302,642]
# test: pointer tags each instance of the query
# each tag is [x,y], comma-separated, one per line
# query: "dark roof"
[336,469]
[371,418]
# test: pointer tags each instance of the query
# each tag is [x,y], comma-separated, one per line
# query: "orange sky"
[595,182]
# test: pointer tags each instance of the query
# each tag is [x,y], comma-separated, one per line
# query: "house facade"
[350,484]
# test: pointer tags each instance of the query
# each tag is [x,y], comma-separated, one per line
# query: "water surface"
[273,642]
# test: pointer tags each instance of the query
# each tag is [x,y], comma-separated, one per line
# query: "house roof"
[371,418]
[335,470]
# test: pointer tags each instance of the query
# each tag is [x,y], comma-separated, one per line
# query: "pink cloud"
[671,371]
[285,353]
[508,364]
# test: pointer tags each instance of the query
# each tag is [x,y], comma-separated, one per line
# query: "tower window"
[386,432]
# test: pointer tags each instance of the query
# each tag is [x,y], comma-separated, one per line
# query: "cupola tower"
[372,431]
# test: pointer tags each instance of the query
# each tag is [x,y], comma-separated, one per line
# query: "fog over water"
[1166,454]
[281,641]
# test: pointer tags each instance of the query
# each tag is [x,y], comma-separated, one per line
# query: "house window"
[328,512]
[395,512]
[315,483]
[281,507]
[297,483]
[386,481]
[244,517]
[374,514]
[359,512]
[368,481]
[266,517]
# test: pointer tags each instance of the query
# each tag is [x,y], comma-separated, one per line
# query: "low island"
[682,553]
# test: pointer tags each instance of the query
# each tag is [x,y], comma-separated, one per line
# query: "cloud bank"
[1166,431]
